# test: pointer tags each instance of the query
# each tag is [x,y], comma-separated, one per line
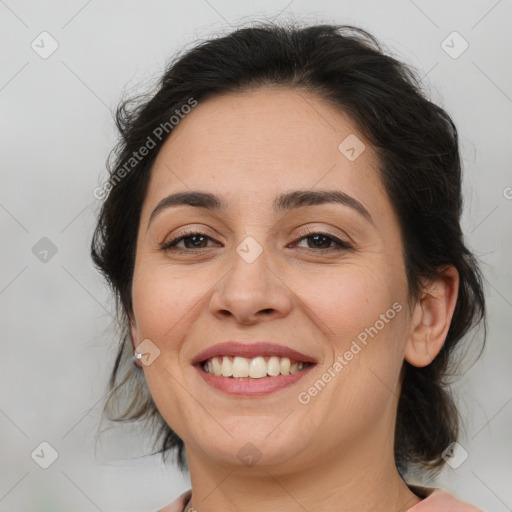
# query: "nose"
[251,292]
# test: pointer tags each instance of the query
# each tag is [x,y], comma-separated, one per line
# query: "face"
[321,277]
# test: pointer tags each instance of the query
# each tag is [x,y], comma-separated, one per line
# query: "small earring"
[136,356]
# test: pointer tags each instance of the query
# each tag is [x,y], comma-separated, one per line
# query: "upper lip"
[251,350]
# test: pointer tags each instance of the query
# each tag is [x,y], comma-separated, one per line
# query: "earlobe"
[133,338]
[431,318]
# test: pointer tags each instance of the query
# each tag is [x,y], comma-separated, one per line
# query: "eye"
[321,242]
[191,240]
[316,241]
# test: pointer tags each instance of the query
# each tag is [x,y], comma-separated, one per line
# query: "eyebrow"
[284,202]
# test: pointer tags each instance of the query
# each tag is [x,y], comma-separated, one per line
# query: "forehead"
[248,147]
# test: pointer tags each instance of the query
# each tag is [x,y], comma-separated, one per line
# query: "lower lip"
[251,387]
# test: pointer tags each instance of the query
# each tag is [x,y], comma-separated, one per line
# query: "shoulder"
[178,504]
[439,500]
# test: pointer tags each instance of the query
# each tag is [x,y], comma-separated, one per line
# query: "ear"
[431,318]
[134,336]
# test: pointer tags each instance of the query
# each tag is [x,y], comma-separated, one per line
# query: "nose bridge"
[251,286]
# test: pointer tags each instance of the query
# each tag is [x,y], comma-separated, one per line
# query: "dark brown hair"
[417,145]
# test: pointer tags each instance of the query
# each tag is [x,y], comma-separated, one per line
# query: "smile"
[255,368]
[251,369]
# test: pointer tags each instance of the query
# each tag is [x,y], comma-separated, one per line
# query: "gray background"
[56,132]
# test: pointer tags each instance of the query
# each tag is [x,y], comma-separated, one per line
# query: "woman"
[282,234]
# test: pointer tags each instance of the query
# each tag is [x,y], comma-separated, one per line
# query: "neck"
[348,481]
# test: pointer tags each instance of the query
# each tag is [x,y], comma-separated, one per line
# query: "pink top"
[437,500]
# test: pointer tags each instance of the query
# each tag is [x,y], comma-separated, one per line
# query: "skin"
[335,452]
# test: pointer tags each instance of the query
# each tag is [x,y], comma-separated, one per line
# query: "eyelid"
[191,229]
[343,243]
[184,234]
[340,243]
[324,231]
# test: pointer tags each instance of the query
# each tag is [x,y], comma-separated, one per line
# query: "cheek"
[349,299]
[362,312]
[162,302]
[163,305]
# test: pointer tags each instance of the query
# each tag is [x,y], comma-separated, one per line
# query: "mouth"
[254,369]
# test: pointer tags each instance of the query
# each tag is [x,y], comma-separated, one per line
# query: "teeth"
[255,368]
[240,367]
[274,366]
[285,366]
[216,366]
[294,368]
[226,367]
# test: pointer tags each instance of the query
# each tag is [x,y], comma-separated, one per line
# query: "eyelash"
[342,245]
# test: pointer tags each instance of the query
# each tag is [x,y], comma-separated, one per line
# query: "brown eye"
[191,240]
[319,241]
[323,241]
[195,241]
